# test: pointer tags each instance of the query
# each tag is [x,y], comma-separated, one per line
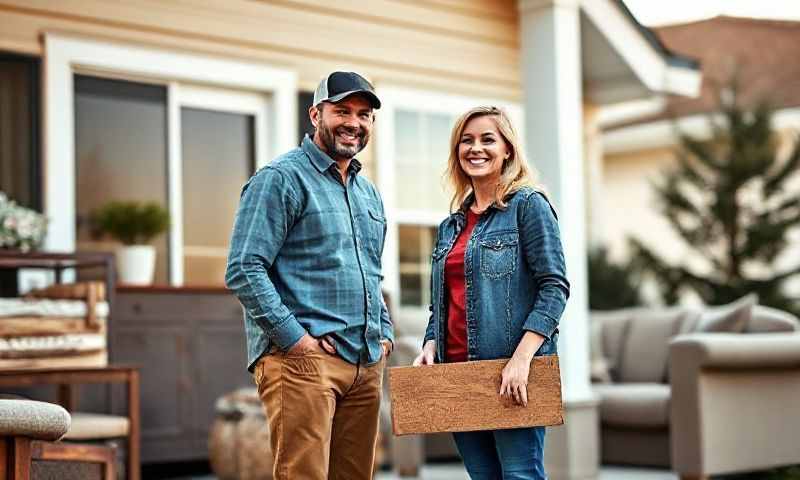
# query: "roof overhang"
[624,61]
[665,133]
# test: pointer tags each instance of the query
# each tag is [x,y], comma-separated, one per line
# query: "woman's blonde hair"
[515,172]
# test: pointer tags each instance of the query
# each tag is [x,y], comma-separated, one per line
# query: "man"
[305,262]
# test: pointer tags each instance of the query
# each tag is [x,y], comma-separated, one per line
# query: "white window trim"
[392,99]
[67,55]
[218,100]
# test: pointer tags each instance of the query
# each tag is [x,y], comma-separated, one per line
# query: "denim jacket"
[515,277]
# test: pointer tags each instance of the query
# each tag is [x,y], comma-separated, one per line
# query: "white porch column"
[551,76]
[593,154]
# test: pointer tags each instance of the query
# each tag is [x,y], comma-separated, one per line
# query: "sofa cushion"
[770,320]
[86,426]
[634,404]
[730,318]
[646,348]
[612,325]
[599,370]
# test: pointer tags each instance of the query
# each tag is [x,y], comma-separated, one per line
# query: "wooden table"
[67,378]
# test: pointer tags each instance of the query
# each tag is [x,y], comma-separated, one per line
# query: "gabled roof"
[766,54]
[671,57]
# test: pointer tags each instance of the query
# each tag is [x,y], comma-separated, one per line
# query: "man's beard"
[335,148]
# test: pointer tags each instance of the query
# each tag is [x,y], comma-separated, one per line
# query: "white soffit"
[650,67]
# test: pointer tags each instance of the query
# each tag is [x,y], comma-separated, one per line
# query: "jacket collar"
[462,210]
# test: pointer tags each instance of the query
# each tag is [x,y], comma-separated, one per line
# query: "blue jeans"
[514,454]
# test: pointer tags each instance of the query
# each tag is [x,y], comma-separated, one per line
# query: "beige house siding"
[630,204]
[466,47]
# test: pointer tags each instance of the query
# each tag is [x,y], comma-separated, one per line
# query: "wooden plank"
[462,397]
[92,359]
[28,326]
[75,452]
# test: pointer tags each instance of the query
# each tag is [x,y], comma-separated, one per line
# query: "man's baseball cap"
[339,85]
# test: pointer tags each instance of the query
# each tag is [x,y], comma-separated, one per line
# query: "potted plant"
[134,224]
[20,228]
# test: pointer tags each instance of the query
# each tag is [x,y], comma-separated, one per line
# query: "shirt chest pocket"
[498,255]
[376,228]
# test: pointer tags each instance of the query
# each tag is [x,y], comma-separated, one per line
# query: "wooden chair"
[29,450]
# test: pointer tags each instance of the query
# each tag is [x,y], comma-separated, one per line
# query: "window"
[218,157]
[121,144]
[421,151]
[415,244]
[413,142]
[304,126]
[19,130]
[122,136]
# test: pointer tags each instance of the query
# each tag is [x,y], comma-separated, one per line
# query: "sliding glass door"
[186,147]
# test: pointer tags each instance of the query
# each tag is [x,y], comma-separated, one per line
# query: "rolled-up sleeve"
[541,245]
[267,209]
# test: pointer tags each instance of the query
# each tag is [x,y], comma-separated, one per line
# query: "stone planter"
[238,444]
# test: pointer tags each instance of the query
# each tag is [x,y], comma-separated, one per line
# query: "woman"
[498,282]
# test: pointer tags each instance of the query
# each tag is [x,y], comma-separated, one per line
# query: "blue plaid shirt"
[305,257]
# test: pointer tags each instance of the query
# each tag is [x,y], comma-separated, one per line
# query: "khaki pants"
[322,413]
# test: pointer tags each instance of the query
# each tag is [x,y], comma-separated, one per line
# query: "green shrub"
[132,223]
[612,285]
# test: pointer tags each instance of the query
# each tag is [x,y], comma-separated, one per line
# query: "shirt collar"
[321,160]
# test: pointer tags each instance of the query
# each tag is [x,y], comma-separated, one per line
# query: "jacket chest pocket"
[498,256]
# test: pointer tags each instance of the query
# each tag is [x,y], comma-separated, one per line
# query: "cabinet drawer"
[189,306]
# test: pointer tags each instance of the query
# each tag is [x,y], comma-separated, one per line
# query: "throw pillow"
[730,318]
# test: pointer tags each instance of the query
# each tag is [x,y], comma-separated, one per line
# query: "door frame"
[67,55]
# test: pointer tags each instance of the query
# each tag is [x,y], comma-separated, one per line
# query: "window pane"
[304,126]
[217,160]
[121,145]
[19,151]
[415,244]
[422,145]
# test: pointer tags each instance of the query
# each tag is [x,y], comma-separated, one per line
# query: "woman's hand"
[514,379]
[427,354]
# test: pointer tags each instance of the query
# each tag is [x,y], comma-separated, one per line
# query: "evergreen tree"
[612,285]
[729,199]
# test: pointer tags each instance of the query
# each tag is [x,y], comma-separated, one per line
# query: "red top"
[456,350]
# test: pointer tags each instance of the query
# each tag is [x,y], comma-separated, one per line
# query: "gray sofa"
[700,391]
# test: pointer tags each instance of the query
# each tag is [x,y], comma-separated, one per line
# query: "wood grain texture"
[461,397]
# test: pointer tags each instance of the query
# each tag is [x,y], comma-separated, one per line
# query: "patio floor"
[455,471]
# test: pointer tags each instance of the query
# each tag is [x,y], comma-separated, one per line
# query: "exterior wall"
[427,44]
[468,47]
[630,208]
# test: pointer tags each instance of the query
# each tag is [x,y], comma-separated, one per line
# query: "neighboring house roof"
[765,53]
[650,35]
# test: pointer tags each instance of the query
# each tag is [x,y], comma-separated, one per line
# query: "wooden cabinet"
[190,345]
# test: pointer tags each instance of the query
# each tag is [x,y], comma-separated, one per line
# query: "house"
[180,101]
[764,56]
